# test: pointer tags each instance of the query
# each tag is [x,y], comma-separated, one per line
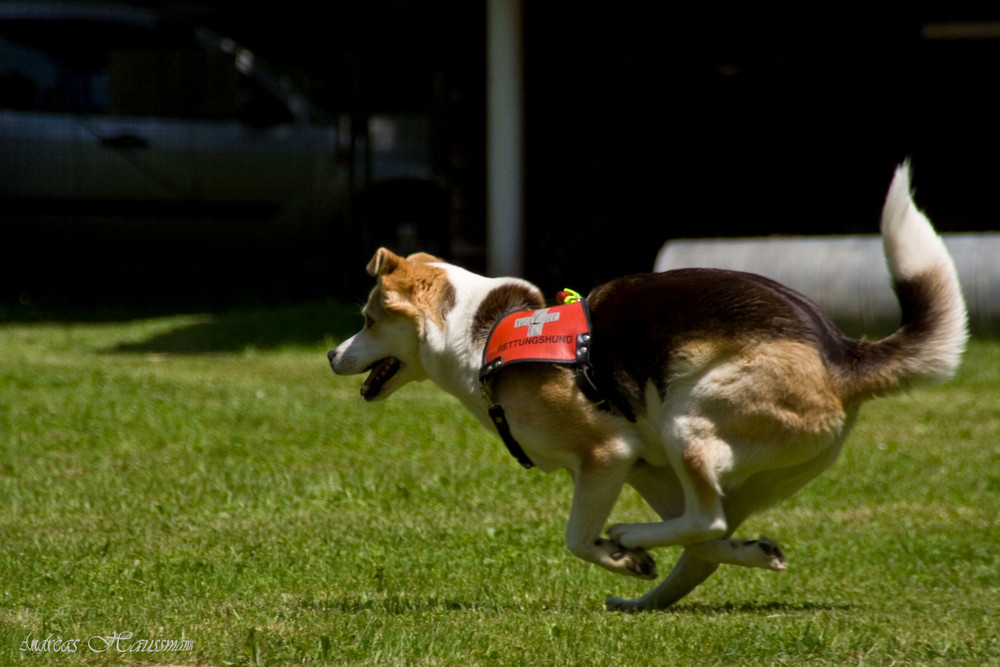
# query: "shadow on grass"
[262,328]
[399,605]
[759,608]
[391,604]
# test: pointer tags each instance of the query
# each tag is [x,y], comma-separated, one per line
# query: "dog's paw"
[619,532]
[632,562]
[619,604]
[614,557]
[771,555]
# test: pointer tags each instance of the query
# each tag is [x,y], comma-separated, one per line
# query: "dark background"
[647,121]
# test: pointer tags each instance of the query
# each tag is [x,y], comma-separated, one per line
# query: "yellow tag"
[569,296]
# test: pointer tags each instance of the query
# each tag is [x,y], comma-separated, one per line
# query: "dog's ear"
[423,258]
[383,262]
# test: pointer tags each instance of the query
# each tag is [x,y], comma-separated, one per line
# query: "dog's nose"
[331,355]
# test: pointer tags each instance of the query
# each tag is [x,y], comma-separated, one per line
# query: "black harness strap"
[503,428]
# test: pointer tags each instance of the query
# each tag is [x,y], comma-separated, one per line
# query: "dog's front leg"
[596,489]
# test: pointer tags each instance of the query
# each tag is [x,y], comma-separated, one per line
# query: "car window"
[34,77]
[124,70]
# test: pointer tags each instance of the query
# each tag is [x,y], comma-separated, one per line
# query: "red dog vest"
[560,334]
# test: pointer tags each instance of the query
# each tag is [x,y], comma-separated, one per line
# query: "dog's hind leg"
[660,488]
[697,563]
[688,573]
[695,462]
[763,553]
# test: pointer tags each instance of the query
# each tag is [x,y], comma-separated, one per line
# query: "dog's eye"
[369,321]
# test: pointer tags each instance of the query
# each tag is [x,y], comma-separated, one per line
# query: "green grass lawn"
[208,480]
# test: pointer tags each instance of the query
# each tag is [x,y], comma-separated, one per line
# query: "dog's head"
[411,294]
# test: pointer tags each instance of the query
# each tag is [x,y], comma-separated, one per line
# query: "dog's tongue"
[381,372]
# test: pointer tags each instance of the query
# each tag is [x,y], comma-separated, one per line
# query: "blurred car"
[128,140]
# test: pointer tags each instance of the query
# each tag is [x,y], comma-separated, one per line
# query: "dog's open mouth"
[380,373]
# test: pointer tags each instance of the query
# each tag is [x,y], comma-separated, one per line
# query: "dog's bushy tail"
[929,343]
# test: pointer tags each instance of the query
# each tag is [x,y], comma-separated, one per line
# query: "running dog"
[715,394]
